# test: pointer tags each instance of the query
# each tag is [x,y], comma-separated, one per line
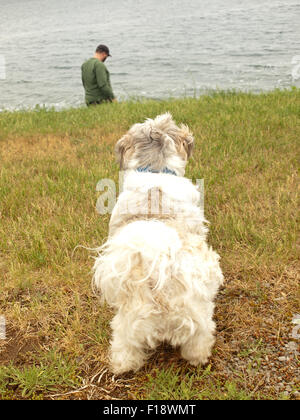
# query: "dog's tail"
[142,253]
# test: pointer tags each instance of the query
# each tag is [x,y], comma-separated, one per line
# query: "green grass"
[37,380]
[193,384]
[247,152]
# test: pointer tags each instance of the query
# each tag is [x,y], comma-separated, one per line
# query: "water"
[160,48]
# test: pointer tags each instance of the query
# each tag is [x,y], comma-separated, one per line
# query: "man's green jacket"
[96,81]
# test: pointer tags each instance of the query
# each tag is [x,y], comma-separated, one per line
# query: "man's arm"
[82,76]
[103,82]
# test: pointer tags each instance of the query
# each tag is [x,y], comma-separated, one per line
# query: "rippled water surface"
[159,48]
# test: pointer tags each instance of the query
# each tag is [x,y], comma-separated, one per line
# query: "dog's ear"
[121,148]
[187,140]
[189,146]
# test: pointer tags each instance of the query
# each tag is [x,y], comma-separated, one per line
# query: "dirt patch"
[17,348]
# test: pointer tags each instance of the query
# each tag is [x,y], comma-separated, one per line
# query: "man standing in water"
[95,78]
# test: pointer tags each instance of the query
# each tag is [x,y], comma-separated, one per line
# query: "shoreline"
[141,99]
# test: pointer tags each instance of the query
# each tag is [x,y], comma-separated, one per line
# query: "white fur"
[158,272]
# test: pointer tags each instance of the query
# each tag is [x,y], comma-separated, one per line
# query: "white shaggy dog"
[156,269]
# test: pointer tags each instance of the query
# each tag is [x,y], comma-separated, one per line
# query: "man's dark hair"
[102,48]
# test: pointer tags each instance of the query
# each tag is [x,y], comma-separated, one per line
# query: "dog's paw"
[126,360]
[120,369]
[197,352]
[199,361]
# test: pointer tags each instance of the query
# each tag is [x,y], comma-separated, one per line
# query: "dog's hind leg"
[128,345]
[197,349]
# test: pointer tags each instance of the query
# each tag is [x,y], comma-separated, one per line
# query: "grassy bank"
[57,336]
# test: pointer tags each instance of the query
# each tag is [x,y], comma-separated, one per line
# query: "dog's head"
[156,144]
